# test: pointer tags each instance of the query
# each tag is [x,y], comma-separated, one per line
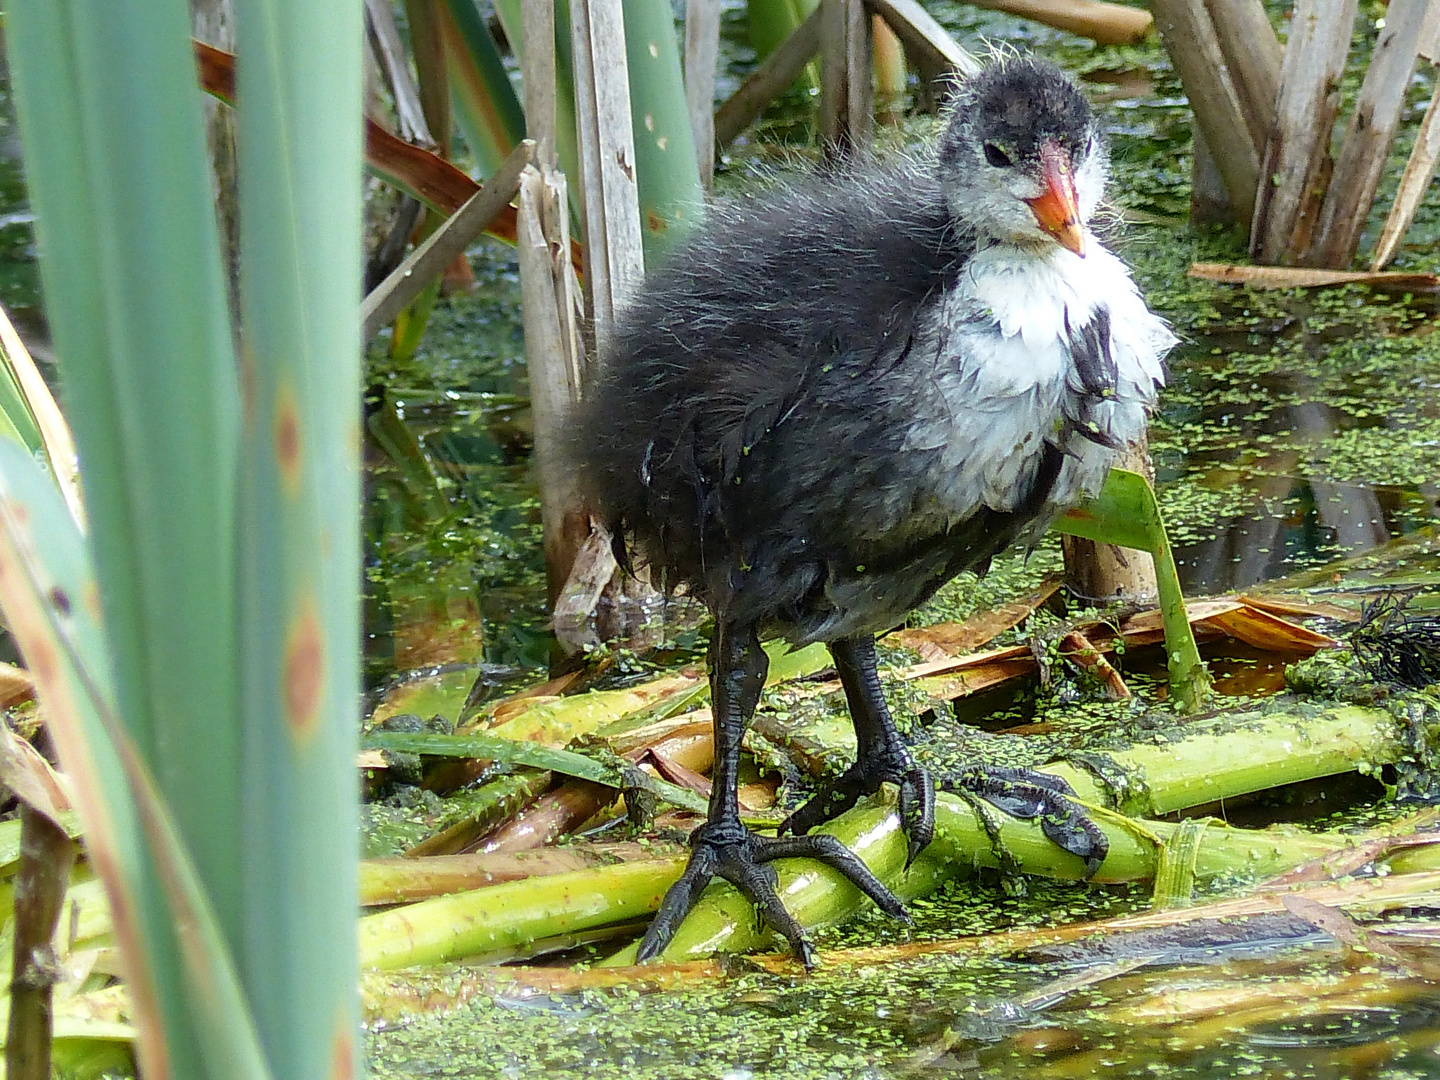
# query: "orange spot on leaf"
[342,1053]
[304,671]
[288,450]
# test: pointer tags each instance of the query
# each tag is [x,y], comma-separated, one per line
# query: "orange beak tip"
[1056,208]
[1056,214]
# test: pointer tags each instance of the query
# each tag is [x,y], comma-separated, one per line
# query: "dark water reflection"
[1327,519]
[1271,454]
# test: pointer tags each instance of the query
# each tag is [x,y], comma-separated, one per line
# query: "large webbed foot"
[891,765]
[1025,794]
[728,850]
[881,756]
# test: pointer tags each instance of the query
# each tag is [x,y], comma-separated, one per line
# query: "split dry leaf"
[676,772]
[31,779]
[752,797]
[943,640]
[1076,648]
[689,737]
[1301,609]
[959,676]
[1264,630]
[1295,277]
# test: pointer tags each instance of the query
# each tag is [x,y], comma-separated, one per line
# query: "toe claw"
[917,800]
[1073,831]
[917,811]
[678,901]
[806,952]
[728,850]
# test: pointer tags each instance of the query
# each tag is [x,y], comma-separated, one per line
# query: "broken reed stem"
[406,880]
[1235,755]
[1295,165]
[46,855]
[1409,26]
[1231,756]
[503,916]
[1190,38]
[724,921]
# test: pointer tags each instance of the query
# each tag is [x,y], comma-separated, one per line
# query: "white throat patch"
[1010,381]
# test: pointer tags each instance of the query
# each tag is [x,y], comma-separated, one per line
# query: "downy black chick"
[838,396]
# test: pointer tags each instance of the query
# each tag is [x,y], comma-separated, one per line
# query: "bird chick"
[840,395]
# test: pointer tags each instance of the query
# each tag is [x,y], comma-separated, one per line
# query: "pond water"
[1298,427]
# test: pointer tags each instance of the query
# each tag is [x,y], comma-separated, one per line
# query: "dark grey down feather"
[782,423]
[748,434]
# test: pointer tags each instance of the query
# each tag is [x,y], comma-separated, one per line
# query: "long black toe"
[917,799]
[1029,795]
[732,852]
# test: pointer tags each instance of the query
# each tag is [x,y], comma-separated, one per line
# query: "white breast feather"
[1004,370]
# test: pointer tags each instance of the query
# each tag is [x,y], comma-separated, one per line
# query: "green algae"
[1287,413]
[931,1015]
[391,826]
[837,1023]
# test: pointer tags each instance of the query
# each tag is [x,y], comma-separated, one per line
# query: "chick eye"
[997,157]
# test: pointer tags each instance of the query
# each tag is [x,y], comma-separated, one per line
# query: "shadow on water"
[1309,475]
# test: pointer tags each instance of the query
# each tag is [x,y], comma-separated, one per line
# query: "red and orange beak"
[1056,210]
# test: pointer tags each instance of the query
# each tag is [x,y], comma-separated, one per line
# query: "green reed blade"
[485,106]
[130,262]
[299,136]
[131,835]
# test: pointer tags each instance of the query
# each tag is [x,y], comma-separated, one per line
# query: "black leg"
[723,846]
[880,755]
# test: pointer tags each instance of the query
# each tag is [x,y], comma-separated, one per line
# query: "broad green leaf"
[45,586]
[1125,513]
